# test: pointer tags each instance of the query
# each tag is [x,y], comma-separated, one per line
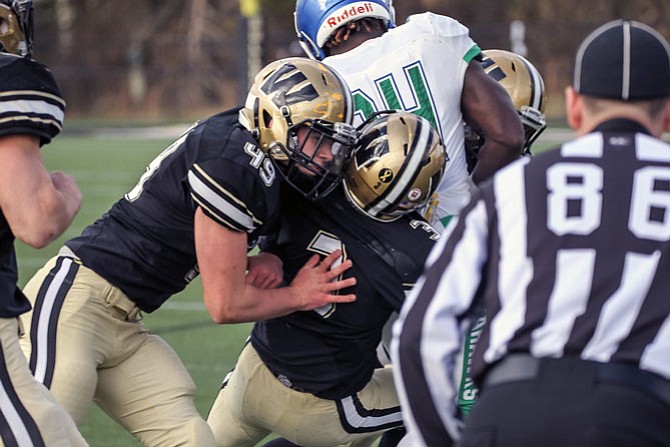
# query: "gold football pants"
[254,403]
[30,415]
[85,342]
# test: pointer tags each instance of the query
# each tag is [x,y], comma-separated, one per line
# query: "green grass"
[105,169]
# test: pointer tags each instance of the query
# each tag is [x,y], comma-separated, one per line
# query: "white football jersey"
[418,67]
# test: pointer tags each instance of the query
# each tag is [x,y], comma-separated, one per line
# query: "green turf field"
[106,168]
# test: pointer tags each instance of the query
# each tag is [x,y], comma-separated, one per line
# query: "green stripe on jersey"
[472,52]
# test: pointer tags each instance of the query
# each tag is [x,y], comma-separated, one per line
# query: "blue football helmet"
[317,20]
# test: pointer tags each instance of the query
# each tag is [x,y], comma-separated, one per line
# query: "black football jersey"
[331,351]
[30,104]
[145,243]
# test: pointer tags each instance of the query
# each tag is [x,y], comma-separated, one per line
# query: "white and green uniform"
[418,67]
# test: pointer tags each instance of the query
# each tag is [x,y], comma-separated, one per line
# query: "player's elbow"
[510,137]
[220,316]
[37,234]
[224,318]
[41,223]
[220,311]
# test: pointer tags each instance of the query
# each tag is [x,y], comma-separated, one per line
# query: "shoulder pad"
[7,58]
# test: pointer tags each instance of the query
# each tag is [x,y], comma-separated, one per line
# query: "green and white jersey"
[418,67]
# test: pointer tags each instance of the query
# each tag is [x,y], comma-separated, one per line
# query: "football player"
[198,207]
[313,377]
[428,66]
[524,84]
[36,207]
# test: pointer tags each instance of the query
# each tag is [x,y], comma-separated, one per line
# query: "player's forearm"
[316,285]
[253,304]
[56,211]
[493,155]
[37,205]
[229,298]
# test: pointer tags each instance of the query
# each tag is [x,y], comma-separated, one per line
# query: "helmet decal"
[493,70]
[414,194]
[288,86]
[386,175]
[349,13]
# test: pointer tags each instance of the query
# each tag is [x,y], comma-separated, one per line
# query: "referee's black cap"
[624,60]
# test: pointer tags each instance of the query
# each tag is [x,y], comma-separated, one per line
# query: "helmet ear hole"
[267,119]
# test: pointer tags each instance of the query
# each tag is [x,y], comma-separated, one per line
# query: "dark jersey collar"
[621,125]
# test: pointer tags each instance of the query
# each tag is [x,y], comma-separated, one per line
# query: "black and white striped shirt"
[569,253]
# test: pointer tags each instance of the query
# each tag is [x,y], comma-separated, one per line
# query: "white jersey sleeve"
[418,67]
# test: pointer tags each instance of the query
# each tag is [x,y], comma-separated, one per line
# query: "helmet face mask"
[534,123]
[397,165]
[315,156]
[300,112]
[316,20]
[16,27]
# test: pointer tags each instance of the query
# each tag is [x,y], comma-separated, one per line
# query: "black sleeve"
[30,100]
[268,243]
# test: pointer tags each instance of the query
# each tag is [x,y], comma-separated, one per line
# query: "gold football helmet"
[16,26]
[397,164]
[299,93]
[525,86]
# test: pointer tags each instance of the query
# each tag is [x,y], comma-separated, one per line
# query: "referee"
[568,252]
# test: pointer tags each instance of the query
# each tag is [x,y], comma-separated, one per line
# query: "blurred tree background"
[184,59]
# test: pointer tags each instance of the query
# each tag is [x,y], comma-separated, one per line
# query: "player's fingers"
[329,260]
[312,262]
[338,270]
[251,279]
[343,298]
[273,283]
[263,283]
[342,284]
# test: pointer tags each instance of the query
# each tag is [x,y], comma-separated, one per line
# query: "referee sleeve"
[428,335]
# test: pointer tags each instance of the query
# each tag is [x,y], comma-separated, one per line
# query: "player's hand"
[66,185]
[316,281]
[264,271]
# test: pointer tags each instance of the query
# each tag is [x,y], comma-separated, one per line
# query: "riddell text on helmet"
[350,13]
